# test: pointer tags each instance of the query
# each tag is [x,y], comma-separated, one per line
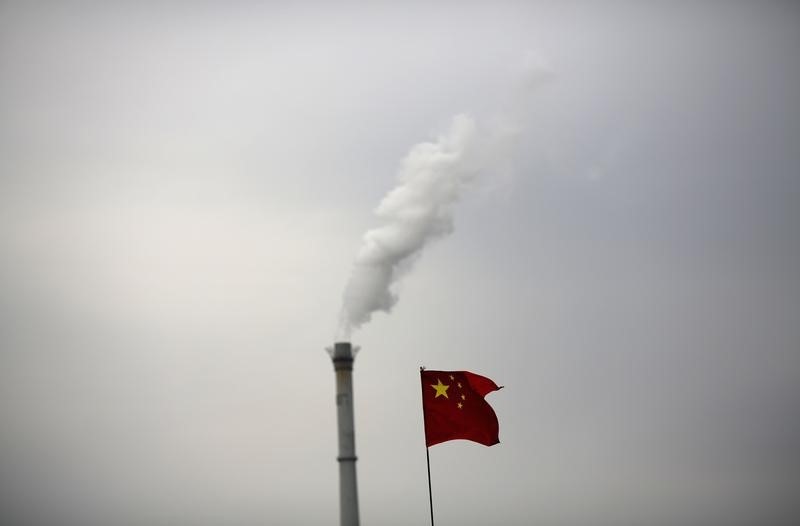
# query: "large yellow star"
[441,389]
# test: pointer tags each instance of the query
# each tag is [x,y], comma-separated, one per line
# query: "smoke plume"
[432,178]
[419,209]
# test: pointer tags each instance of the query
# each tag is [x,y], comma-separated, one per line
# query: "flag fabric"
[453,407]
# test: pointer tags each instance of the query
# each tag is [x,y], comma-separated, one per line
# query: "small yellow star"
[452,377]
[441,389]
[459,385]
[463,397]
[460,405]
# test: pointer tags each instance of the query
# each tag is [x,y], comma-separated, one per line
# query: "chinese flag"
[454,408]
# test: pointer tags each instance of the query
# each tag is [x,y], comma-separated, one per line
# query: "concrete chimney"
[343,355]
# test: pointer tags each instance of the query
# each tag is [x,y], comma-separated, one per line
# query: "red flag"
[453,407]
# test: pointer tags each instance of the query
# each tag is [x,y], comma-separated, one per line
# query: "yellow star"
[459,385]
[441,389]
[463,397]
[460,405]
[452,377]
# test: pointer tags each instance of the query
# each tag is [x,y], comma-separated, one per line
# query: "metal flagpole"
[430,494]
[427,450]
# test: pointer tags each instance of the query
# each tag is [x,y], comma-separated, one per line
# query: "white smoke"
[432,178]
[420,209]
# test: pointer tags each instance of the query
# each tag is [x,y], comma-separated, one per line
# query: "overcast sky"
[183,190]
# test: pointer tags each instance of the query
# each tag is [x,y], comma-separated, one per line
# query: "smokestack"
[343,355]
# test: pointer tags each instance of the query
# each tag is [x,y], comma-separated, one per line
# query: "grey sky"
[183,190]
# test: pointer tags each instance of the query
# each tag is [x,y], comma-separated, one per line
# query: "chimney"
[343,355]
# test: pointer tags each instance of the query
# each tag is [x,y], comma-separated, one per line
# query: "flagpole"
[427,450]
[430,494]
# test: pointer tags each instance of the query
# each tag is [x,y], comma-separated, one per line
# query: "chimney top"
[343,354]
